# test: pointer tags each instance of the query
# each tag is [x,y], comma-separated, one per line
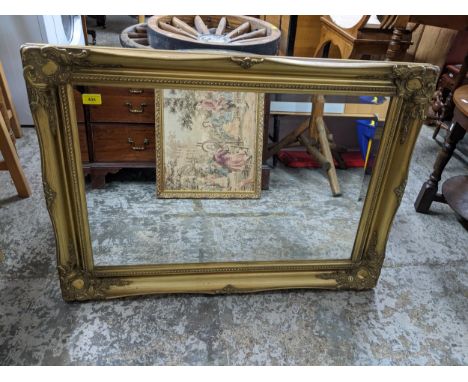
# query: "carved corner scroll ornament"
[79,285]
[45,68]
[365,274]
[416,85]
[49,65]
[246,62]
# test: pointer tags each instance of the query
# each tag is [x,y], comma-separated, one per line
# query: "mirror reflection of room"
[315,155]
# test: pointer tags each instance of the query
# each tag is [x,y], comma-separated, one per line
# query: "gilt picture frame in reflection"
[208,144]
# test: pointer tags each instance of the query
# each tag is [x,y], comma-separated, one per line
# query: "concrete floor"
[199,231]
[109,36]
[415,316]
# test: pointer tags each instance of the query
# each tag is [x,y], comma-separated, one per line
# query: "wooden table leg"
[428,191]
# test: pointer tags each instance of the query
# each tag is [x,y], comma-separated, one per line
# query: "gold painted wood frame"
[50,73]
[164,192]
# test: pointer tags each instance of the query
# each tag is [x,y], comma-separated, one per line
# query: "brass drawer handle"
[135,91]
[131,109]
[138,148]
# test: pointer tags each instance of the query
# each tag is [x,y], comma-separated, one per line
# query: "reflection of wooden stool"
[313,135]
[428,192]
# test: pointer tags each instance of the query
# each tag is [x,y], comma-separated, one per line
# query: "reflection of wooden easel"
[318,142]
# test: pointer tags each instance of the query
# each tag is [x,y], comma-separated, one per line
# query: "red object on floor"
[302,159]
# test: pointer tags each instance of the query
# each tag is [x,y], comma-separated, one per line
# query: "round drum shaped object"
[238,33]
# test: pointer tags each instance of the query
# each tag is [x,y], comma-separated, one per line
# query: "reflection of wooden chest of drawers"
[117,134]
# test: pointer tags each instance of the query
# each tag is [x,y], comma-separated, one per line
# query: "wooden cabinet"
[121,105]
[118,133]
[83,142]
[80,118]
[123,142]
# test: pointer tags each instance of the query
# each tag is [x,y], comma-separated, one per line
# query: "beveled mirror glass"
[213,173]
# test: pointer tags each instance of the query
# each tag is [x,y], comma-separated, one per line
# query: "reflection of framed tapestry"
[208,143]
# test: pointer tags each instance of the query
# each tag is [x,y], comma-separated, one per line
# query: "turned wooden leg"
[428,191]
[395,51]
[436,131]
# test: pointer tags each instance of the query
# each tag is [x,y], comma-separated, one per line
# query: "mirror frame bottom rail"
[52,71]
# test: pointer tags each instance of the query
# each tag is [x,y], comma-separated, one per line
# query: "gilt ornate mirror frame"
[51,72]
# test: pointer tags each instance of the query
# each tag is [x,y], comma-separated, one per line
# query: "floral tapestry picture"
[208,144]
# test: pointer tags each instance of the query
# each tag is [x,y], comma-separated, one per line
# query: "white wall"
[18,30]
[15,31]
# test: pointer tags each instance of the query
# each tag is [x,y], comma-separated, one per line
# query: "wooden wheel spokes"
[200,25]
[221,27]
[184,26]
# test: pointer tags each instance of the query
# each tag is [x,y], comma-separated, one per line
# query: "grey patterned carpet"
[416,314]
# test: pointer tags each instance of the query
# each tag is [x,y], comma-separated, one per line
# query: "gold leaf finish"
[363,275]
[416,85]
[51,72]
[79,284]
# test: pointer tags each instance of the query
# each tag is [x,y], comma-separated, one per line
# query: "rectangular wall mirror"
[212,173]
